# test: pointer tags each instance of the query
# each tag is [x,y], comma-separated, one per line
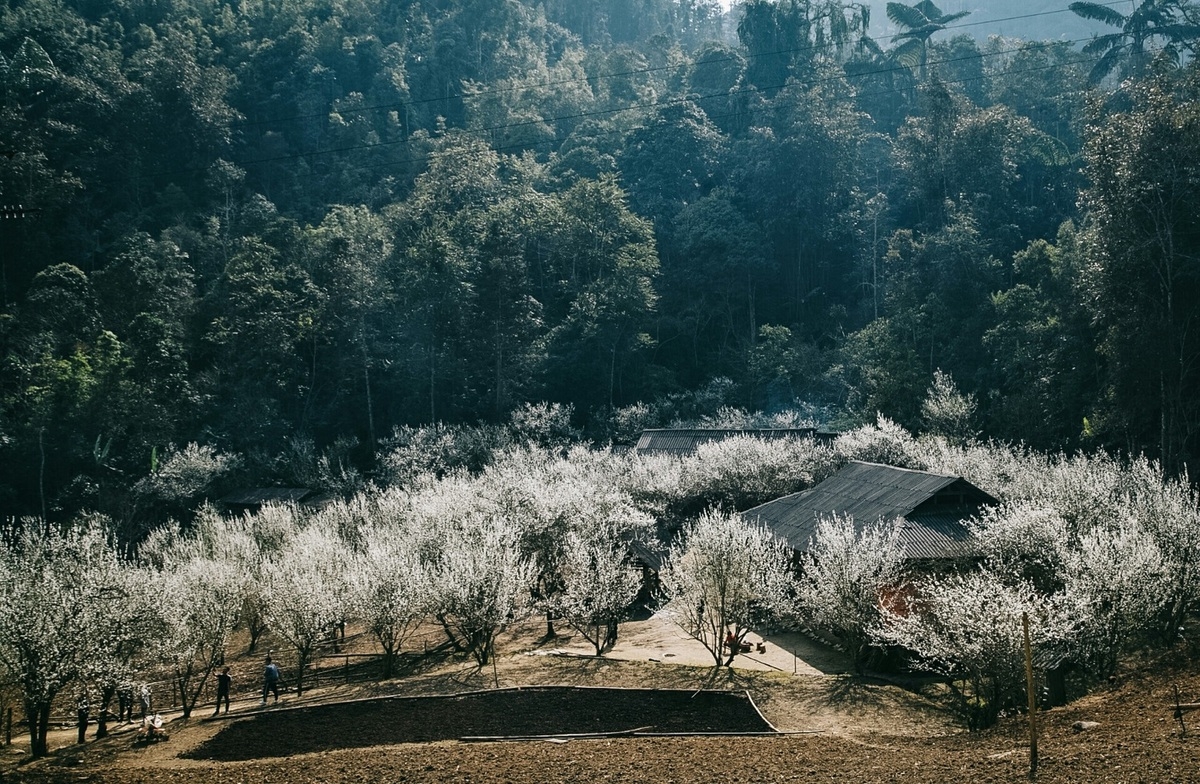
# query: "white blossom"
[56,589]
[198,603]
[391,590]
[843,576]
[598,586]
[481,582]
[967,627]
[723,577]
[304,593]
[1113,580]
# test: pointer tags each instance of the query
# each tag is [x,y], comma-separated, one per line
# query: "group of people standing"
[271,682]
[131,696]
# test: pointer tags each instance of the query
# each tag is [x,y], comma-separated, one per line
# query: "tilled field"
[1093,756]
[869,734]
[509,712]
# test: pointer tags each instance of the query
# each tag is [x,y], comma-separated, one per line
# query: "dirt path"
[659,639]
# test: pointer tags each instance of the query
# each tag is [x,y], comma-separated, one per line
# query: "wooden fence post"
[1029,688]
[1180,710]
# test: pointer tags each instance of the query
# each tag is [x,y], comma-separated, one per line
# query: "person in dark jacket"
[224,682]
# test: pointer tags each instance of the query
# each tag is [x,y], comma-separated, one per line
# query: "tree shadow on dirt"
[855,691]
[812,652]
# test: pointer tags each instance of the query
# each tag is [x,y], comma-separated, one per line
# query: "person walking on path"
[270,681]
[224,681]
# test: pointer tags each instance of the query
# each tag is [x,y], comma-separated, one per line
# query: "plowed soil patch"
[536,711]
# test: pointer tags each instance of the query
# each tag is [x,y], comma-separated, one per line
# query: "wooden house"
[932,510]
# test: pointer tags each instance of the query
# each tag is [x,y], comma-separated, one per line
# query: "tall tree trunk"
[42,477]
[38,716]
[432,384]
[106,695]
[367,389]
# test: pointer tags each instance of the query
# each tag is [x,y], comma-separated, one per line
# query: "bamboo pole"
[1180,709]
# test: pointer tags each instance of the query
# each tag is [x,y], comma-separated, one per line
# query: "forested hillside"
[284,230]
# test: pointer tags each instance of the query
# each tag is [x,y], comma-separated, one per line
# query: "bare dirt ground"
[857,731]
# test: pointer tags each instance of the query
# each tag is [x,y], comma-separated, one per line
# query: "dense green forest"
[289,231]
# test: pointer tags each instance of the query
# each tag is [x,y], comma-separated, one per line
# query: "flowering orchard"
[1103,555]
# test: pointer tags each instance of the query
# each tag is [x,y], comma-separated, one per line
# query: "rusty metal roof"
[932,508]
[684,441]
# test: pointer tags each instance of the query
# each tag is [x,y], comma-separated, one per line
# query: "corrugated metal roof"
[260,496]
[937,535]
[932,508]
[684,441]
[651,555]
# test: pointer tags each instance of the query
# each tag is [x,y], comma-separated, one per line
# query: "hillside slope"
[1135,740]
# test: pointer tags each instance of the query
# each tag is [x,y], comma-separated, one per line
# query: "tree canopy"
[285,233]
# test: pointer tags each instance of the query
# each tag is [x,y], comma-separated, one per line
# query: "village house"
[932,510]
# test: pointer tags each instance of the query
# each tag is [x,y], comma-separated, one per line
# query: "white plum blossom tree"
[1169,511]
[948,412]
[481,582]
[305,593]
[598,586]
[124,628]
[180,478]
[390,589]
[740,472]
[883,442]
[551,498]
[967,627]
[198,602]
[1113,579]
[724,576]
[1026,542]
[55,587]
[843,577]
[255,543]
